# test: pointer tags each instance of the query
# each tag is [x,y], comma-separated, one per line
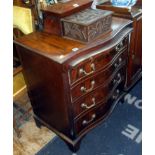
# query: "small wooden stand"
[125,12]
[52,14]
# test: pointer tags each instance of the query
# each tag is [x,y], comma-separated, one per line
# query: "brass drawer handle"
[119,46]
[85,122]
[119,62]
[82,71]
[117,94]
[85,90]
[85,106]
[119,79]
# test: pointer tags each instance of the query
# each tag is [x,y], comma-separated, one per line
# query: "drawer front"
[95,61]
[99,79]
[100,95]
[94,116]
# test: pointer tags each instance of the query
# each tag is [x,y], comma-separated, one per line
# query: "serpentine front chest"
[74,86]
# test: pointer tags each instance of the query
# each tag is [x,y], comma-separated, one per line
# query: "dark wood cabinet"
[139,3]
[135,60]
[75,86]
[134,69]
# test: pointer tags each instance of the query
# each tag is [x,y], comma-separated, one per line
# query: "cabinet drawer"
[94,116]
[92,83]
[97,60]
[100,95]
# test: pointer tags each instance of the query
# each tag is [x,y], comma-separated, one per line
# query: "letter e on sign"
[130,132]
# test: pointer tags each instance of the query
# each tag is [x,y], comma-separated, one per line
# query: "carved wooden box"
[87,25]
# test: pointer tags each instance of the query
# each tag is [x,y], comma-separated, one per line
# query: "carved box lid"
[87,16]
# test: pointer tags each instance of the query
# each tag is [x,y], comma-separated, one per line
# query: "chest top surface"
[61,49]
[87,16]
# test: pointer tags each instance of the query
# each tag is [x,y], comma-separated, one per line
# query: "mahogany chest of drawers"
[74,86]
